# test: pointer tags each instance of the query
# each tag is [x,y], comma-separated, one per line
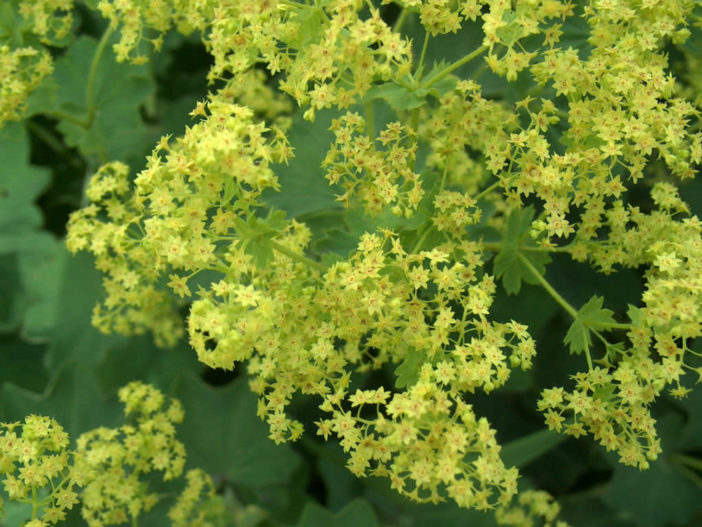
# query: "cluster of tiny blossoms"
[109,462]
[183,209]
[613,403]
[377,177]
[531,504]
[21,71]
[622,108]
[197,505]
[191,228]
[23,64]
[381,306]
[34,455]
[329,55]
[104,473]
[304,330]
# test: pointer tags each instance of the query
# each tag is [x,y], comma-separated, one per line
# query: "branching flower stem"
[90,89]
[548,287]
[297,257]
[497,246]
[556,296]
[451,67]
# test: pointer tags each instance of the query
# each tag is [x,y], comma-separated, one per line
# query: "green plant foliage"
[398,263]
[97,100]
[592,314]
[247,456]
[508,264]
[357,512]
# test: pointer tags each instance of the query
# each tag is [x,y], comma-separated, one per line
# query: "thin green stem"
[588,358]
[405,85]
[690,461]
[486,191]
[297,257]
[370,120]
[443,177]
[608,325]
[451,67]
[46,137]
[58,114]
[557,297]
[414,125]
[422,239]
[92,74]
[497,247]
[422,55]
[606,343]
[35,504]
[400,20]
[549,289]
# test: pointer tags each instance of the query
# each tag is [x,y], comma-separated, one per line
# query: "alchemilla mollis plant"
[446,193]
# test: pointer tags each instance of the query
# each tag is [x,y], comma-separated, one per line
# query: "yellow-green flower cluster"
[531,506]
[621,109]
[24,63]
[303,330]
[109,463]
[21,71]
[321,50]
[613,407]
[197,505]
[105,472]
[192,227]
[137,20]
[614,404]
[51,20]
[377,308]
[183,208]
[464,118]
[378,178]
[34,455]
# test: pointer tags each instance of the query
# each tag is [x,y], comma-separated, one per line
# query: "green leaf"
[408,371]
[520,452]
[309,27]
[41,271]
[74,337]
[17,513]
[508,265]
[588,509]
[512,30]
[303,188]
[397,96]
[591,314]
[634,313]
[118,91]
[256,235]
[340,484]
[72,398]
[23,364]
[403,511]
[14,298]
[532,306]
[20,186]
[25,251]
[358,512]
[223,435]
[659,496]
[139,358]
